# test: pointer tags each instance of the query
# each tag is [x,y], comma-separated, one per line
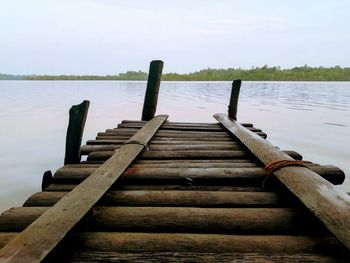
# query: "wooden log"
[331,205]
[162,135]
[140,161]
[227,139]
[100,242]
[179,172]
[103,155]
[189,175]
[204,154]
[195,165]
[176,257]
[167,135]
[86,149]
[214,243]
[179,220]
[162,142]
[36,242]
[174,123]
[163,131]
[152,90]
[165,187]
[172,198]
[232,107]
[177,127]
[177,136]
[77,118]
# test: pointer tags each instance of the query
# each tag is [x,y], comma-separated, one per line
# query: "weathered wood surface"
[178,220]
[36,242]
[330,205]
[77,118]
[152,90]
[232,107]
[173,198]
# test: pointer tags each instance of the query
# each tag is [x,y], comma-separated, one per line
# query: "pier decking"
[162,191]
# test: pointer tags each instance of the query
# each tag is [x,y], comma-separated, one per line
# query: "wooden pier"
[153,190]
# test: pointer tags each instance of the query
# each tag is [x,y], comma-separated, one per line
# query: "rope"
[139,143]
[276,165]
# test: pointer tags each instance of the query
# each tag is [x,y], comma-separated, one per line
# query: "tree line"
[304,73]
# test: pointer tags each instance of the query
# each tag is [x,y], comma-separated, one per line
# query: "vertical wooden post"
[77,118]
[232,107]
[151,96]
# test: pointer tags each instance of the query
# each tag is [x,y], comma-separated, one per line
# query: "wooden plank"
[77,118]
[330,205]
[152,90]
[36,242]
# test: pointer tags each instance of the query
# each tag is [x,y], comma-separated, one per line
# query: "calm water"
[311,118]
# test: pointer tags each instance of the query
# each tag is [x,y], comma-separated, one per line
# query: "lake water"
[312,118]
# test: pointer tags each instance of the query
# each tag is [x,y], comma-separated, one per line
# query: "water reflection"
[310,117]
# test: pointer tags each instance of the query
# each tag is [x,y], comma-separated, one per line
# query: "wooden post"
[47,180]
[77,118]
[152,90]
[232,107]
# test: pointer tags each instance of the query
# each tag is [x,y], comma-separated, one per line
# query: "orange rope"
[276,165]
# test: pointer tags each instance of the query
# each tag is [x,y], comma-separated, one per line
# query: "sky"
[112,36]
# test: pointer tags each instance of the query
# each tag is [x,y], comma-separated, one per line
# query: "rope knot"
[276,165]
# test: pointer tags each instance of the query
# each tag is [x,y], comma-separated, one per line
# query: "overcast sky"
[111,36]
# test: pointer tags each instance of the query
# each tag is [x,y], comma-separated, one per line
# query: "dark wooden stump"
[77,118]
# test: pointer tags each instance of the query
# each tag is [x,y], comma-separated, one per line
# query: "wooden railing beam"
[330,205]
[39,239]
